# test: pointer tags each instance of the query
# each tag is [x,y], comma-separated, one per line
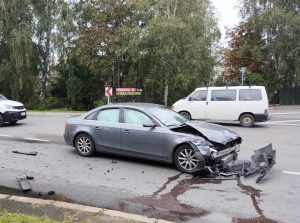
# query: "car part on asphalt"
[29,177]
[24,184]
[261,163]
[33,153]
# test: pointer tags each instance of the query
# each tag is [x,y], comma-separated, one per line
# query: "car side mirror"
[190,98]
[150,125]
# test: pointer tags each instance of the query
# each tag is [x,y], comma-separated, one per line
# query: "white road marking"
[33,139]
[9,136]
[282,124]
[291,172]
[287,113]
[298,120]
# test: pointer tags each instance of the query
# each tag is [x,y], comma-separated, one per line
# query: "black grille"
[18,107]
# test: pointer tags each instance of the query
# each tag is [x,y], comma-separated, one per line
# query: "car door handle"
[97,128]
[127,131]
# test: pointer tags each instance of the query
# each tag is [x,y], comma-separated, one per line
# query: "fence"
[289,96]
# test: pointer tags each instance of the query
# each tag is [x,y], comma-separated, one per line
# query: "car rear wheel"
[186,115]
[247,120]
[1,120]
[84,145]
[185,159]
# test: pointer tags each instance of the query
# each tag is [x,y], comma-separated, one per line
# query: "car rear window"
[250,95]
[223,95]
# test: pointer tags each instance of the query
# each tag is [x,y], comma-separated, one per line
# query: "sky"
[227,13]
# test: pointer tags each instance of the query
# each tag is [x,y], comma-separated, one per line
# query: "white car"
[11,111]
[246,104]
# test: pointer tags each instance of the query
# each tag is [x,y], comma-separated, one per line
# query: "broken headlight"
[203,146]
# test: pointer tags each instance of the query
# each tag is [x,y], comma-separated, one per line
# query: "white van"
[11,111]
[246,104]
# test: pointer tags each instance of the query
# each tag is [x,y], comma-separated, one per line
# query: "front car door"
[106,130]
[197,104]
[138,140]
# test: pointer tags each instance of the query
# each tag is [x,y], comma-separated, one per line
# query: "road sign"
[108,91]
[128,91]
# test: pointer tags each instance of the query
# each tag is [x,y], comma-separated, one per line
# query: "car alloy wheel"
[185,159]
[84,145]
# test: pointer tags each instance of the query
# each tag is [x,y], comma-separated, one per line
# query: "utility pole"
[243,71]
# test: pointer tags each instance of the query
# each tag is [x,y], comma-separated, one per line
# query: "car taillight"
[66,125]
[266,111]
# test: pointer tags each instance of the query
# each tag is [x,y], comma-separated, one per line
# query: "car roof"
[231,87]
[134,105]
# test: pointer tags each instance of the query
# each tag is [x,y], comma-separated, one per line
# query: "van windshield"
[2,98]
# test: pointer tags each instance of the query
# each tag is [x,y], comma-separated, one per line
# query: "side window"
[223,95]
[91,116]
[136,117]
[109,115]
[199,95]
[250,95]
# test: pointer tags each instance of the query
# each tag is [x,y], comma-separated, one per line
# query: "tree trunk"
[166,92]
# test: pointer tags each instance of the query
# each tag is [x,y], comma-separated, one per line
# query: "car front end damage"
[208,156]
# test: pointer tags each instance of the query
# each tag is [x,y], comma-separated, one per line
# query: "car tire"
[247,120]
[84,145]
[186,115]
[1,120]
[185,159]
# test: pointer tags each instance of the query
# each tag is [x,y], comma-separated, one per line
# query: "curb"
[6,200]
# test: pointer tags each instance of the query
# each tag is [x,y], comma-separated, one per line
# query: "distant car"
[11,111]
[246,104]
[153,132]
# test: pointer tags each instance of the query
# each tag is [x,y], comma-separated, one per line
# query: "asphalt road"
[155,189]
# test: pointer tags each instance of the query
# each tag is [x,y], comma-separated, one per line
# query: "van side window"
[199,95]
[223,95]
[250,95]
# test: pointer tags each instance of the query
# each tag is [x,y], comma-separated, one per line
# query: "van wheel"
[247,120]
[186,115]
[1,120]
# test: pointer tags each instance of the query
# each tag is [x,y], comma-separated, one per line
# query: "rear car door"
[106,130]
[138,140]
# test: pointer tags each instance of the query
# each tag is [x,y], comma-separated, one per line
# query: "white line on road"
[287,113]
[281,124]
[6,136]
[298,120]
[33,139]
[291,172]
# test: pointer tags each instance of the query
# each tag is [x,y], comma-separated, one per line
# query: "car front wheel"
[185,159]
[186,115]
[84,145]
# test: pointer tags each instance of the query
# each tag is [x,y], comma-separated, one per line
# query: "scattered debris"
[29,177]
[143,171]
[108,171]
[24,184]
[261,163]
[50,193]
[34,153]
[90,168]
[113,161]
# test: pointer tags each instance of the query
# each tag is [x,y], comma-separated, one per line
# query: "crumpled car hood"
[213,132]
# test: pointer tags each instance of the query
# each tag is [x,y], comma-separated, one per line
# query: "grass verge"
[6,217]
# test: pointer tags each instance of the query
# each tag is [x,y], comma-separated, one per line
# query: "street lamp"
[243,71]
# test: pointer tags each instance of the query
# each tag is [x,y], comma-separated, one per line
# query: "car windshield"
[2,98]
[167,116]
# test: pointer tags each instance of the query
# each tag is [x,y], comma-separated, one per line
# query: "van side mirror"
[190,98]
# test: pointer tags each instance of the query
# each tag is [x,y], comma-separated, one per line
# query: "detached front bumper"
[12,116]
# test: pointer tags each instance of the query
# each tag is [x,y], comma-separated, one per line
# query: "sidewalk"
[62,211]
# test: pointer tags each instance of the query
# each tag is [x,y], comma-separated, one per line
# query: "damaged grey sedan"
[152,131]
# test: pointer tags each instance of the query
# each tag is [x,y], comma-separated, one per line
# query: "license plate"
[23,113]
